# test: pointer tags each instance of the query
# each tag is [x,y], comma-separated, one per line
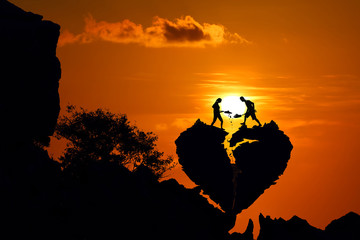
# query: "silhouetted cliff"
[247,235]
[346,227]
[293,229]
[204,159]
[234,186]
[260,162]
[110,202]
[29,75]
[104,201]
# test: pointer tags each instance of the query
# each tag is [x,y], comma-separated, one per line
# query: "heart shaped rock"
[258,163]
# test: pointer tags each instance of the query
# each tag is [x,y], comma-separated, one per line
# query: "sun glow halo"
[234,105]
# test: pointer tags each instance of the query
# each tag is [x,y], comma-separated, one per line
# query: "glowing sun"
[234,105]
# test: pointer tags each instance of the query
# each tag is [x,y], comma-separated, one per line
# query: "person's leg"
[247,114]
[221,121]
[245,117]
[253,116]
[214,119]
[258,122]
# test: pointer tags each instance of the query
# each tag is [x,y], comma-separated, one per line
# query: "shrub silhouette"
[104,136]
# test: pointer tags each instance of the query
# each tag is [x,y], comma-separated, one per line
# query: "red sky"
[164,63]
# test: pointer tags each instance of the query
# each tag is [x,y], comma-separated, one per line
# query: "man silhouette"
[250,111]
[217,115]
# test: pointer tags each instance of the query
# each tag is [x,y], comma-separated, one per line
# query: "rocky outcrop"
[204,159]
[234,186]
[29,75]
[260,162]
[346,227]
[247,235]
[104,201]
[293,229]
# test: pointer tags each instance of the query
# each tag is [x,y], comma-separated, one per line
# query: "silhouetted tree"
[104,136]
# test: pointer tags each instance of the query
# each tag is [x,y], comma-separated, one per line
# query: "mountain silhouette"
[233,186]
[346,227]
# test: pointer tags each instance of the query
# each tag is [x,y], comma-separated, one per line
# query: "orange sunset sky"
[164,63]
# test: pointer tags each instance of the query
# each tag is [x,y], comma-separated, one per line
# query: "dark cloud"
[183,32]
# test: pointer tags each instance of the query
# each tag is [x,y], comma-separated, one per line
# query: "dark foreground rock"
[260,162]
[247,235]
[102,201]
[204,159]
[29,75]
[346,227]
[295,228]
[234,186]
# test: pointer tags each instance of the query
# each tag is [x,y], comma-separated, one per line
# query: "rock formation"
[346,227]
[234,186]
[296,228]
[104,201]
[247,235]
[204,159]
[29,75]
[261,162]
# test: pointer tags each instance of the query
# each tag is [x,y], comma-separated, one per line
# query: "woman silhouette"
[217,115]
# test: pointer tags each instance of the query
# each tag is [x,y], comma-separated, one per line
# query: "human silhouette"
[250,111]
[217,111]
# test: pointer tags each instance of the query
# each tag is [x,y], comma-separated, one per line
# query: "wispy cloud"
[183,32]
